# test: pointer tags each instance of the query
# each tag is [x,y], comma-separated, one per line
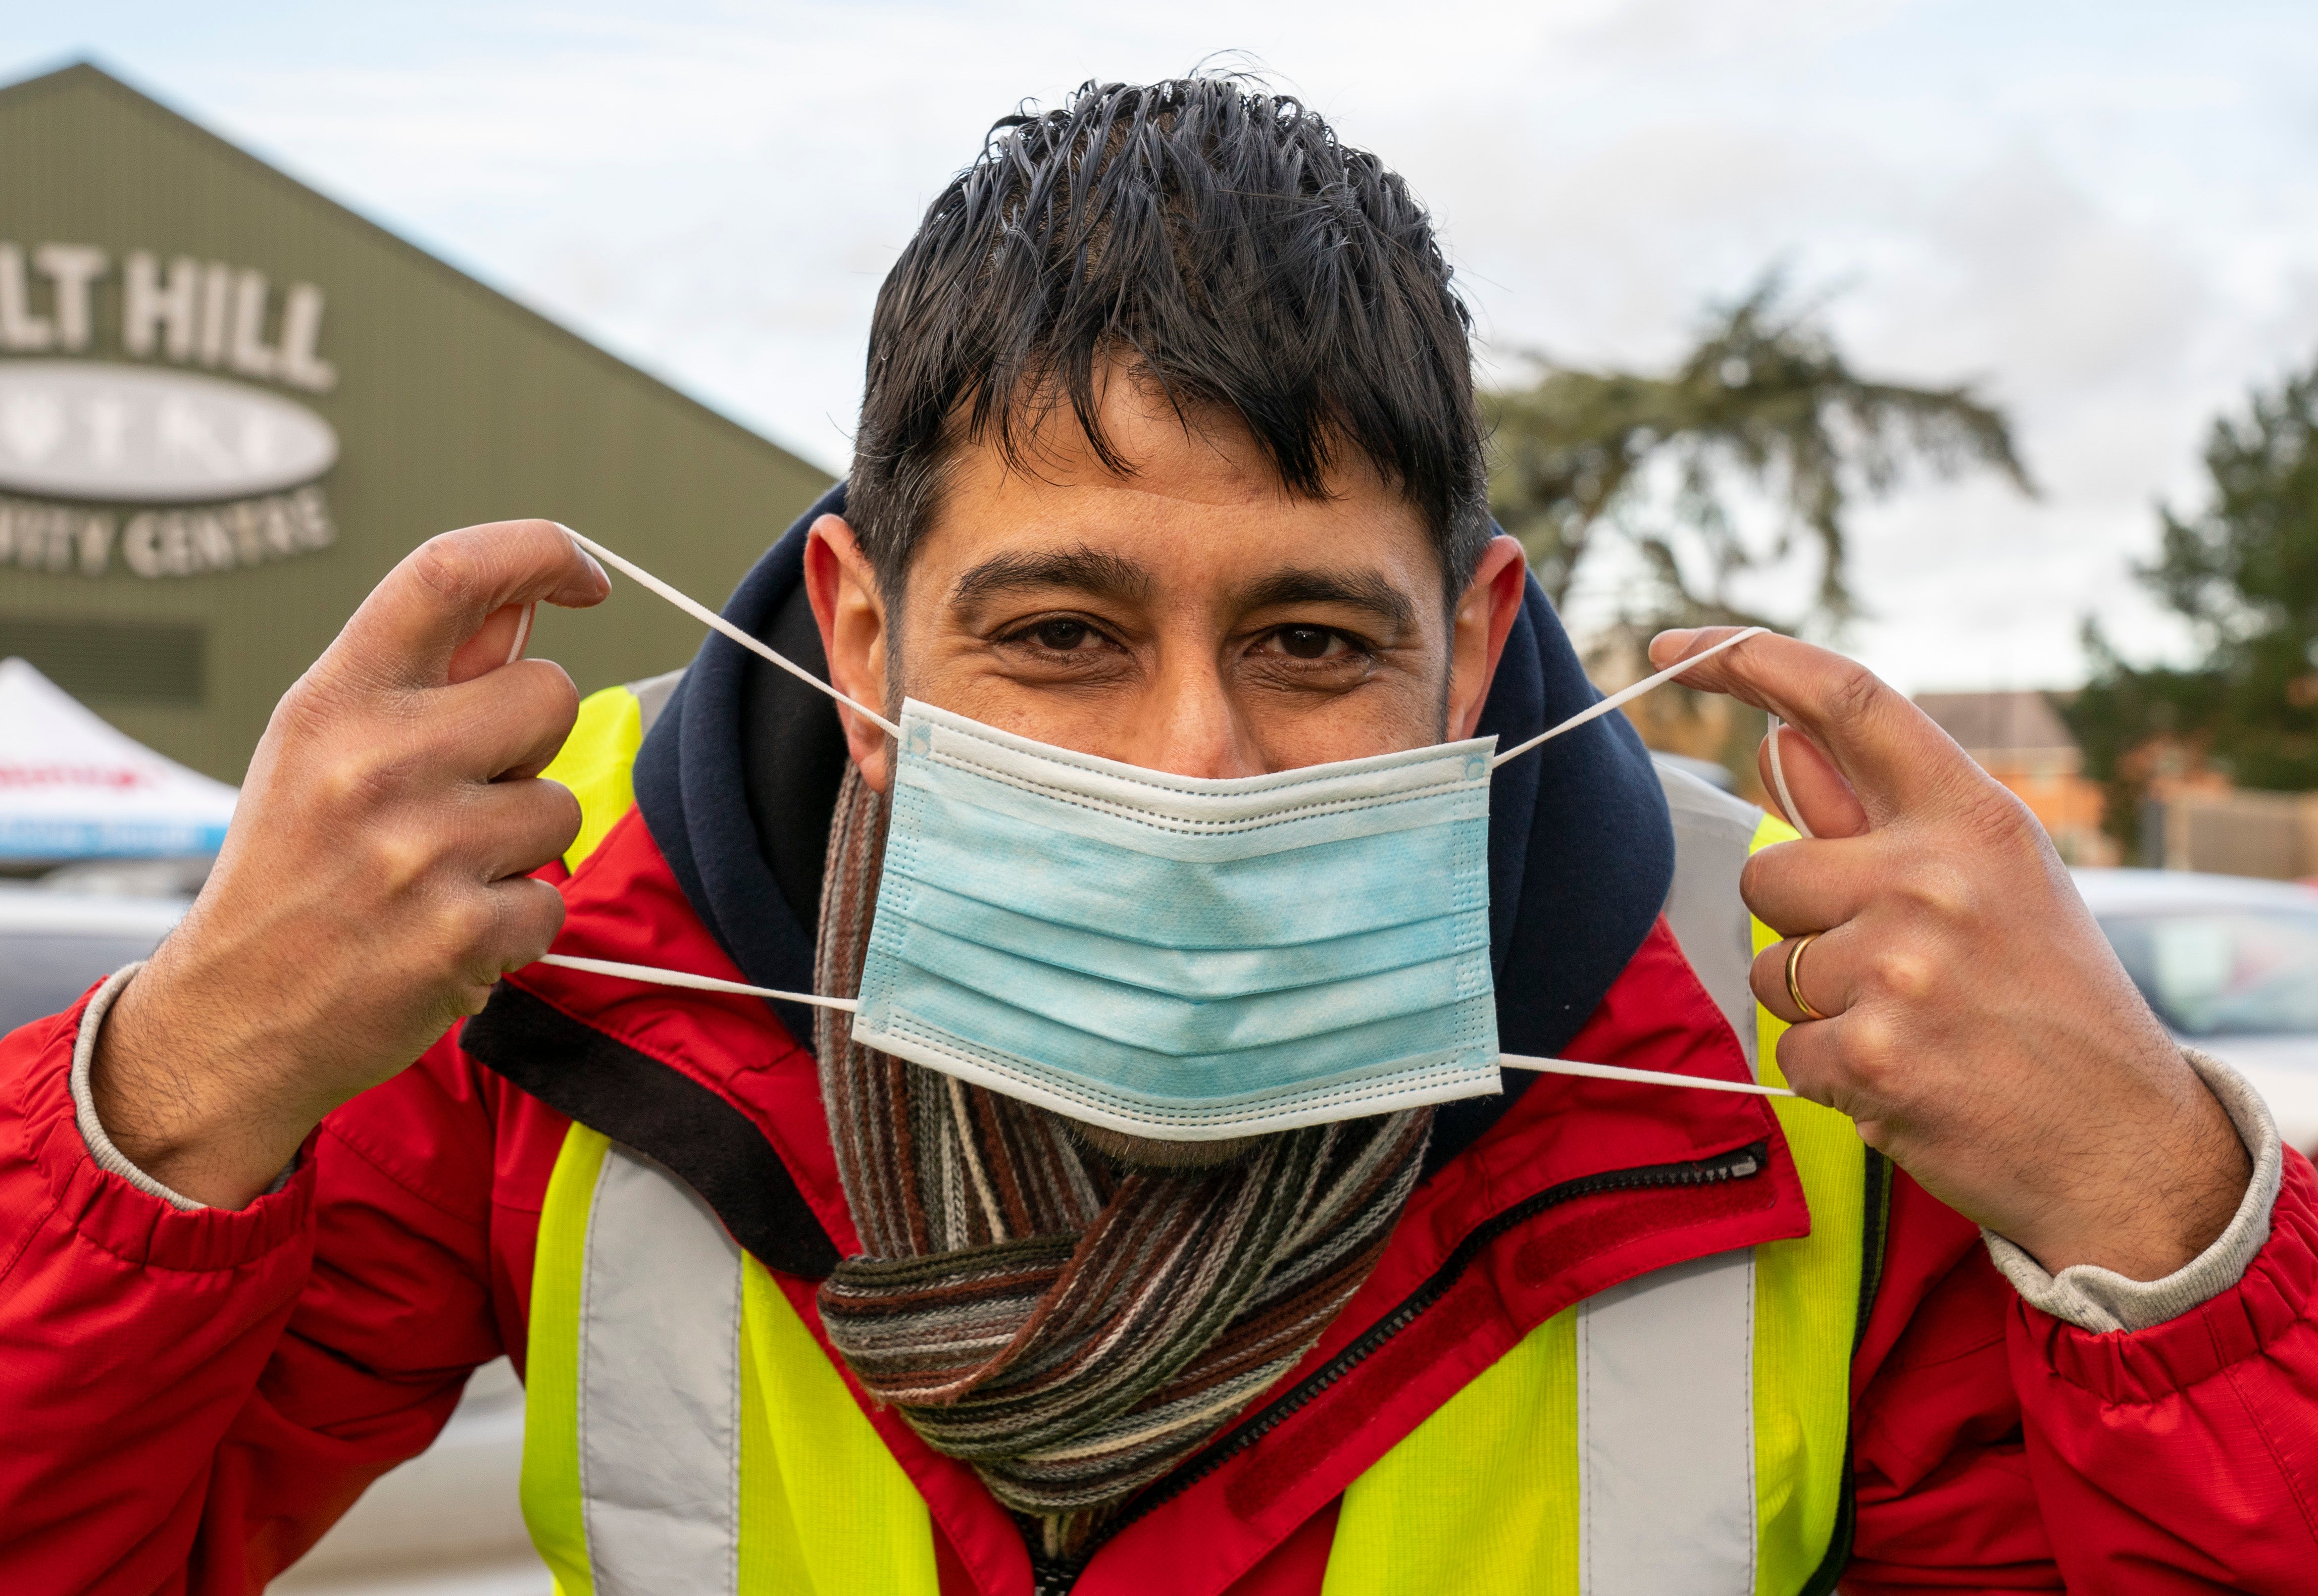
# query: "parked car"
[2230,966]
[54,944]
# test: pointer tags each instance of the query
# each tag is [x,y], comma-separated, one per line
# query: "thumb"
[1892,755]
[458,598]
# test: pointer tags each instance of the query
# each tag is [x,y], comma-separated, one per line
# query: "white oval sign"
[87,429]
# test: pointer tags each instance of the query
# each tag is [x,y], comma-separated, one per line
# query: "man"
[1168,456]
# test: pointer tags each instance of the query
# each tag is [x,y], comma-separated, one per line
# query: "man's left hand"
[1977,1028]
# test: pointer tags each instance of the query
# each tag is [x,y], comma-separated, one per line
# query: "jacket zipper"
[1736,1165]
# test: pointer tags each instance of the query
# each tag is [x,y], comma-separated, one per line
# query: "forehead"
[1194,501]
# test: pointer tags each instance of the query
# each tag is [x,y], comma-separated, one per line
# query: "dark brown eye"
[1062,636]
[1304,643]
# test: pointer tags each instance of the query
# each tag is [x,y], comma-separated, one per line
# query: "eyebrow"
[1086,569]
[1360,589]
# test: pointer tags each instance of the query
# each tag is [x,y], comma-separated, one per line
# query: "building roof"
[451,404]
[1999,724]
[87,80]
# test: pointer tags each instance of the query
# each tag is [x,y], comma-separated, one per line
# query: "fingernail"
[601,574]
[1672,644]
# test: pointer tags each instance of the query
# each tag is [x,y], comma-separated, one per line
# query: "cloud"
[2114,227]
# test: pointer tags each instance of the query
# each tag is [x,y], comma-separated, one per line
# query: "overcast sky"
[2106,214]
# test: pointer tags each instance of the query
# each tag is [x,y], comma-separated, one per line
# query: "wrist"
[194,1130]
[2100,1301]
[2161,1204]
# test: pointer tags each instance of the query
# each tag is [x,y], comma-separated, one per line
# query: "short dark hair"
[1218,239]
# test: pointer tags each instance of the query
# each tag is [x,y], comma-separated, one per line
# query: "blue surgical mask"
[1180,958]
[1175,957]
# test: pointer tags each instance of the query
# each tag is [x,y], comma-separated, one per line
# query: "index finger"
[1894,755]
[407,630]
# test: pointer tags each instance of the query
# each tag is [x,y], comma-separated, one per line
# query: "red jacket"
[190,1399]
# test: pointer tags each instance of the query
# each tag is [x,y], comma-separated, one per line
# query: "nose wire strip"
[653,976]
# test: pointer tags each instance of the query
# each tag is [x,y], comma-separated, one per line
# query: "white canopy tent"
[73,787]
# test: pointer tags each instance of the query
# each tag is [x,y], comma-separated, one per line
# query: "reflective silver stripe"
[1713,834]
[1665,1363]
[653,694]
[1665,1433]
[1665,1376]
[660,1386]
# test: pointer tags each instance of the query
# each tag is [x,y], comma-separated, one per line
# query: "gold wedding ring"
[1794,971]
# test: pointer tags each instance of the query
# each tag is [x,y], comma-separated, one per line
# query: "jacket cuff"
[2100,1300]
[101,1150]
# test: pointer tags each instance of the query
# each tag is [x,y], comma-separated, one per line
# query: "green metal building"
[228,405]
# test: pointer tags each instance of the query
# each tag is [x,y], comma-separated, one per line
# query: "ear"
[1477,640]
[851,614]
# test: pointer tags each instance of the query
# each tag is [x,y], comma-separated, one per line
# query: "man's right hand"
[372,886]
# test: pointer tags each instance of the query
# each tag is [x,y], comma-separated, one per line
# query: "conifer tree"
[2243,571]
[1763,412]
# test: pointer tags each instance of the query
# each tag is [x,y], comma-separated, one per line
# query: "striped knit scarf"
[1071,1325]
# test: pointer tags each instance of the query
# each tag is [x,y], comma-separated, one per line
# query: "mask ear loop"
[1626,696]
[710,618]
[1551,1066]
[647,973]
[651,976]
[1640,1077]
[522,632]
[1779,783]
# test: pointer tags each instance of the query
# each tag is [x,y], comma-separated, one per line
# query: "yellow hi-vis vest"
[1686,1431]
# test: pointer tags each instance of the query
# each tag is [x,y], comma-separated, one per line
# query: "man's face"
[1190,617]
